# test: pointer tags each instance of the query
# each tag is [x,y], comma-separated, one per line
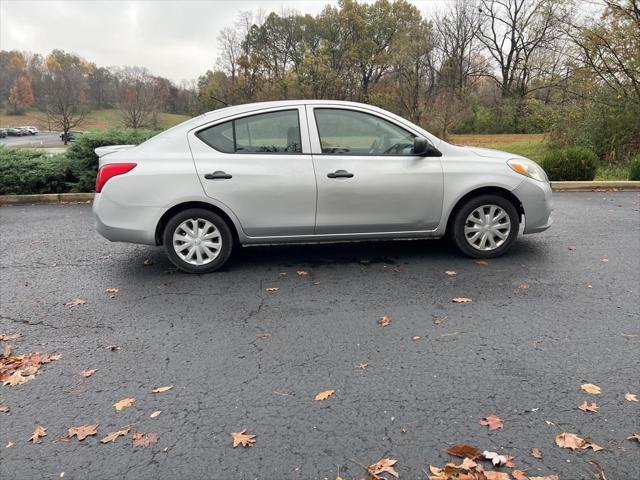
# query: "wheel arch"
[194,204]
[488,190]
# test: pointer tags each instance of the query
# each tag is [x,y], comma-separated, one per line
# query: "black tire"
[198,213]
[460,217]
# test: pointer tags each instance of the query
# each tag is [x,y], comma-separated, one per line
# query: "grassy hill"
[97,119]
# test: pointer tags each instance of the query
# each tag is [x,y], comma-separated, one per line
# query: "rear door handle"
[218,174]
[340,174]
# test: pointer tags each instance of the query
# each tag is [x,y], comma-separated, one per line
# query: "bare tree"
[65,85]
[138,98]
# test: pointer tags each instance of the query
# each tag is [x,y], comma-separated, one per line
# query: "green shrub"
[27,171]
[570,164]
[634,171]
[84,160]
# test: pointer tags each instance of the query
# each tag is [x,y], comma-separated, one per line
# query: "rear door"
[259,165]
[368,179]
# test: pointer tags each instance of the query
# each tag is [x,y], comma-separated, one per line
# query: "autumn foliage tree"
[140,97]
[20,95]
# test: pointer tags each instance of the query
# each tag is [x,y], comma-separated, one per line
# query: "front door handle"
[218,174]
[340,174]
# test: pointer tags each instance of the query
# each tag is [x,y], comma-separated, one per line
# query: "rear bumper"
[124,223]
[536,198]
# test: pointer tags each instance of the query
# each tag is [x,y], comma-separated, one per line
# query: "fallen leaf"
[451,273]
[523,286]
[519,475]
[435,470]
[600,473]
[573,441]
[83,431]
[362,365]
[88,373]
[491,475]
[125,402]
[588,407]
[242,438]
[482,263]
[604,260]
[384,465]
[546,477]
[384,321]
[631,397]
[147,263]
[437,320]
[497,459]
[162,389]
[461,300]
[324,395]
[143,440]
[272,289]
[4,408]
[302,273]
[17,378]
[536,453]
[415,338]
[155,414]
[464,451]
[635,436]
[38,433]
[590,388]
[112,436]
[492,421]
[7,337]
[9,445]
[397,269]
[75,303]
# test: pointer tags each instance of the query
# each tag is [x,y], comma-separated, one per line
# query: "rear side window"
[273,132]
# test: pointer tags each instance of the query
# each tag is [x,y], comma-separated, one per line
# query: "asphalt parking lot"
[560,310]
[41,139]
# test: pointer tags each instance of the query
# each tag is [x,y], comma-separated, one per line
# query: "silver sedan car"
[311,171]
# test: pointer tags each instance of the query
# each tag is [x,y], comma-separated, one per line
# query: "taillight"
[111,170]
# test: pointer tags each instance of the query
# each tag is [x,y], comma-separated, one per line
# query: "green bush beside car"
[571,164]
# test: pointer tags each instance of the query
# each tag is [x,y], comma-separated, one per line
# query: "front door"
[259,166]
[368,179]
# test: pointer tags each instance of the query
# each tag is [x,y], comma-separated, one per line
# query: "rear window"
[273,132]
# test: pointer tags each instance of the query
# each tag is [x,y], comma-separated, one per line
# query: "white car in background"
[311,171]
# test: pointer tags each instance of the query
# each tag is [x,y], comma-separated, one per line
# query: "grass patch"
[613,172]
[96,120]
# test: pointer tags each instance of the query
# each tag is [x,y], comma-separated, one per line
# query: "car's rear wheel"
[197,241]
[485,226]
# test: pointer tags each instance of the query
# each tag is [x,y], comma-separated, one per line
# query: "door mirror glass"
[422,147]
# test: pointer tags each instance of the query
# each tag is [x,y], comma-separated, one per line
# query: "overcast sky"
[173,38]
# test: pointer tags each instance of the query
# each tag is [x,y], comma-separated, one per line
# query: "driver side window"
[349,132]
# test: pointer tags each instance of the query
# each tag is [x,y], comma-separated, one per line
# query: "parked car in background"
[30,130]
[71,136]
[3,132]
[17,132]
[311,171]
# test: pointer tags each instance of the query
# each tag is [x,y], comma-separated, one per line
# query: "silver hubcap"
[487,227]
[197,241]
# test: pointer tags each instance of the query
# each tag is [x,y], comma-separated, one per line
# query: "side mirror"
[423,148]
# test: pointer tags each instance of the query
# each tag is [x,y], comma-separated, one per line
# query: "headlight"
[528,168]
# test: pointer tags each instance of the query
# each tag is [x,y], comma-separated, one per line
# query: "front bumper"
[537,201]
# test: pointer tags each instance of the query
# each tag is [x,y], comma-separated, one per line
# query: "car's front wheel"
[485,226]
[197,241]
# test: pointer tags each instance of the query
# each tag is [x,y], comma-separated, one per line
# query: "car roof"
[248,107]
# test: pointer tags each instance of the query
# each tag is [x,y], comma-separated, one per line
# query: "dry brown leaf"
[536,453]
[384,465]
[242,438]
[143,440]
[125,402]
[546,477]
[495,458]
[162,389]
[635,436]
[590,388]
[112,291]
[9,445]
[451,273]
[88,373]
[437,319]
[461,300]
[482,263]
[302,273]
[76,302]
[491,475]
[573,441]
[17,378]
[147,263]
[4,408]
[588,407]
[112,436]
[464,451]
[631,397]
[272,289]
[83,431]
[415,338]
[155,414]
[7,337]
[519,475]
[384,321]
[324,395]
[492,421]
[523,286]
[362,365]
[38,433]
